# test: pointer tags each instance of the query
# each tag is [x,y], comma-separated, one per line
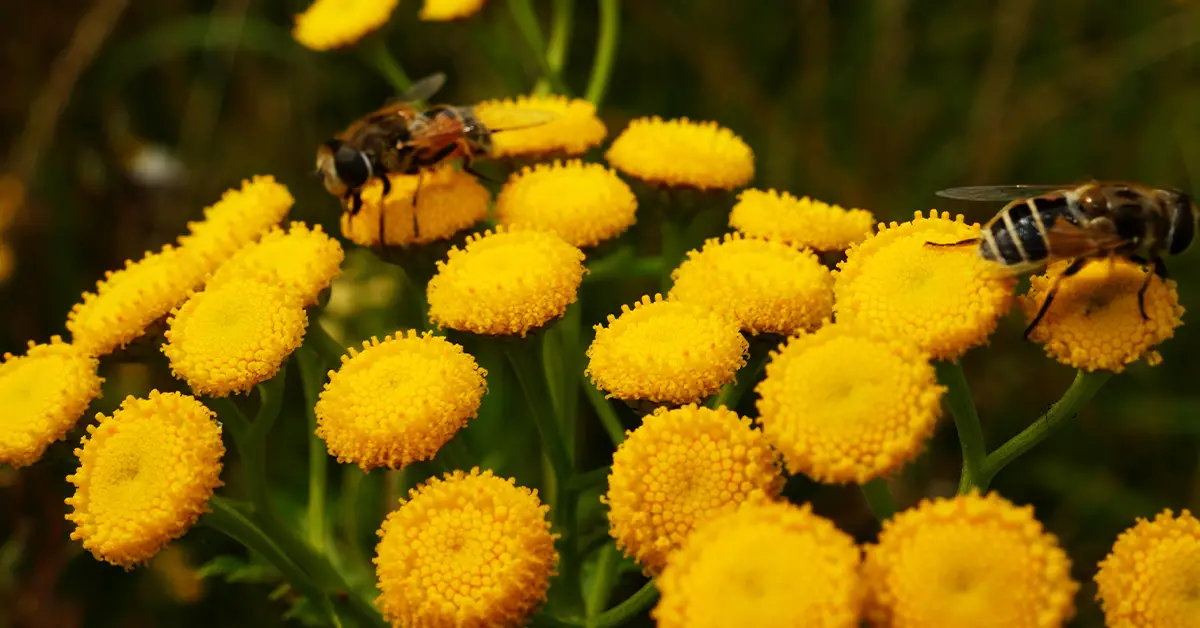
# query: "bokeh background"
[122,120]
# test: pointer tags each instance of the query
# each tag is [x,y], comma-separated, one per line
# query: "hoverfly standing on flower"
[1045,223]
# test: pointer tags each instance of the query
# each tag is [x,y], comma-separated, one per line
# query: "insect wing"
[1068,240]
[999,192]
[425,88]
[515,119]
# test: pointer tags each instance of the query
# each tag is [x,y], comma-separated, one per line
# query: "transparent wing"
[514,119]
[999,192]
[425,88]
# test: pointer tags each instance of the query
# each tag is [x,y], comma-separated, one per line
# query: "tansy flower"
[145,475]
[767,564]
[968,561]
[43,392]
[505,283]
[471,549]
[445,10]
[682,153]
[1094,322]
[802,222]
[584,204]
[680,469]
[448,201]
[330,24]
[127,301]
[232,336]
[240,217]
[305,260]
[538,126]
[945,299]
[423,390]
[666,352]
[1150,577]
[767,286]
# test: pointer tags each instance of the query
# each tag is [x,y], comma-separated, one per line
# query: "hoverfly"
[1047,223]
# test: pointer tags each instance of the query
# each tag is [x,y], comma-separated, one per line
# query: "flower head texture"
[665,352]
[448,201]
[305,260]
[1094,322]
[446,10]
[970,560]
[423,390]
[238,218]
[944,299]
[1149,578]
[145,476]
[43,393]
[680,469]
[572,130]
[682,153]
[230,337]
[469,549]
[584,204]
[328,24]
[766,564]
[505,283]
[800,222]
[766,286]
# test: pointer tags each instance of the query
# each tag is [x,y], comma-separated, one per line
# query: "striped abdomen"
[1016,236]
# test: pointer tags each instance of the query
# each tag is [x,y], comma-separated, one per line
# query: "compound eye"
[352,166]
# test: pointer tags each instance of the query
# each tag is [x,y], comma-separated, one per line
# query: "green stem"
[560,37]
[311,375]
[747,377]
[602,582]
[633,606]
[377,53]
[351,493]
[606,48]
[527,22]
[879,499]
[966,421]
[604,410]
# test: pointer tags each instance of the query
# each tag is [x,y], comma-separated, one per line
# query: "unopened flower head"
[683,153]
[680,469]
[584,204]
[1149,578]
[505,283]
[801,222]
[766,564]
[970,560]
[766,286]
[145,476]
[43,393]
[471,549]
[328,24]
[305,260]
[944,299]
[541,126]
[1094,322]
[665,352]
[446,10]
[448,201]
[240,217]
[424,389]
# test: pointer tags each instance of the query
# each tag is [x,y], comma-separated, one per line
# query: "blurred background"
[121,121]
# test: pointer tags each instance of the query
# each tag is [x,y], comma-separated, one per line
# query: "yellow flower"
[584,204]
[505,283]
[472,549]
[1150,577]
[127,301]
[448,201]
[240,217]
[665,351]
[330,24]
[767,286]
[230,337]
[422,391]
[680,469]
[682,153]
[1094,322]
[572,131]
[802,222]
[767,564]
[43,392]
[305,260]
[844,406]
[445,10]
[145,476]
[945,299]
[970,560]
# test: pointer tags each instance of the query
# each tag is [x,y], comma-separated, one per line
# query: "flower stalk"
[966,421]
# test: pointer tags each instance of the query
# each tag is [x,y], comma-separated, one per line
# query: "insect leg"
[355,201]
[416,191]
[1160,269]
[968,241]
[1075,267]
[387,187]
[469,169]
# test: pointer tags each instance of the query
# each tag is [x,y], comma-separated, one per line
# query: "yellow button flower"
[767,286]
[471,549]
[802,222]
[682,153]
[398,401]
[145,476]
[680,469]
[43,393]
[1150,577]
[767,564]
[843,406]
[584,204]
[505,283]
[445,10]
[448,201]
[1094,322]
[328,24]
[305,260]
[573,129]
[971,560]
[232,336]
[945,299]
[240,217]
